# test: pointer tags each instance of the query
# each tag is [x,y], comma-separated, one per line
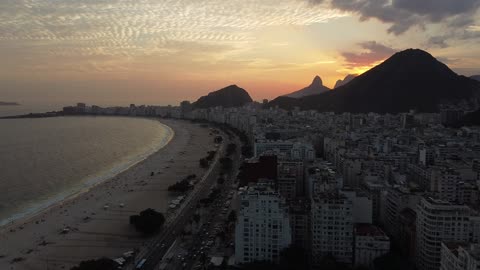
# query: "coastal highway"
[157,247]
[215,218]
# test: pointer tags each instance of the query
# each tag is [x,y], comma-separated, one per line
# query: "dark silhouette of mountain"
[4,103]
[347,79]
[411,79]
[315,88]
[230,96]
[475,77]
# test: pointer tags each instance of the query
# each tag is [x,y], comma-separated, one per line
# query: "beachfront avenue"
[160,251]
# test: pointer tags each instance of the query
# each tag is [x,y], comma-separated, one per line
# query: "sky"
[115,52]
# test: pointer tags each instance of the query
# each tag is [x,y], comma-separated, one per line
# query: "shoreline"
[95,231]
[84,185]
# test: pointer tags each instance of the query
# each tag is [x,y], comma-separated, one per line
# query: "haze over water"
[45,160]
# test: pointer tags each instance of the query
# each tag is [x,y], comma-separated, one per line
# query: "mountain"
[230,96]
[344,81]
[411,79]
[316,87]
[475,77]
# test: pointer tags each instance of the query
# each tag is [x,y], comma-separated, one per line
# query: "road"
[215,221]
[158,246]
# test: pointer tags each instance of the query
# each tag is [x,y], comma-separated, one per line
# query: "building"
[460,256]
[407,233]
[300,222]
[331,227]
[398,199]
[285,149]
[444,183]
[321,178]
[439,221]
[361,205]
[290,178]
[370,243]
[263,225]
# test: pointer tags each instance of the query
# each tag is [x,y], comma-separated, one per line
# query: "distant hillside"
[315,88]
[231,96]
[411,79]
[347,79]
[475,77]
[4,103]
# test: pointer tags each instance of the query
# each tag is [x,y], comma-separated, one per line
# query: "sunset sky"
[163,51]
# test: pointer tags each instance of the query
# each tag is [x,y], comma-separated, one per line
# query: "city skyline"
[115,52]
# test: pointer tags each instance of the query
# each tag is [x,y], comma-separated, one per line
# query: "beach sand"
[37,242]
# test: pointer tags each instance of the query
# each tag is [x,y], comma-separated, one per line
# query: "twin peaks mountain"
[230,96]
[345,81]
[315,88]
[408,80]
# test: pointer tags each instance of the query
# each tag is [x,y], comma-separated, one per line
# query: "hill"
[230,96]
[411,79]
[347,79]
[475,77]
[316,87]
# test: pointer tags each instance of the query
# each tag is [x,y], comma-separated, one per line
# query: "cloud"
[373,52]
[468,35]
[75,32]
[405,14]
[135,26]
[437,41]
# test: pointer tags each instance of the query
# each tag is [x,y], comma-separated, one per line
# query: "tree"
[210,155]
[99,264]
[148,222]
[204,163]
[232,217]
[392,261]
[293,258]
[231,148]
[227,164]
[182,186]
[218,139]
[196,218]
[260,266]
[220,180]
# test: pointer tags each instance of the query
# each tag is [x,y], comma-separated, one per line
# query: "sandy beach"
[37,242]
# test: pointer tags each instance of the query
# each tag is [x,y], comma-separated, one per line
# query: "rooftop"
[366,229]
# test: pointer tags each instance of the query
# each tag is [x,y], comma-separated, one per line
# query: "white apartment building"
[331,227]
[361,205]
[439,221]
[444,182]
[370,243]
[457,256]
[263,226]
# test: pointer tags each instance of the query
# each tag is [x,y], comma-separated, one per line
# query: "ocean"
[43,161]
